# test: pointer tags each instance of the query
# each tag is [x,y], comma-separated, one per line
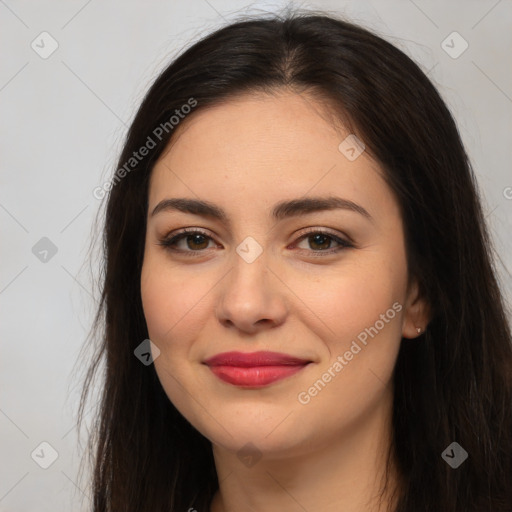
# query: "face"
[327,286]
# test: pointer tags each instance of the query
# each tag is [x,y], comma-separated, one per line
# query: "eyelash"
[169,242]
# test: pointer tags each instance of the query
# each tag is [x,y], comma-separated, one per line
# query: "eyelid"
[344,241]
[327,231]
[176,236]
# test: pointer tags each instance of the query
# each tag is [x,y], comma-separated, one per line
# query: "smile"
[254,370]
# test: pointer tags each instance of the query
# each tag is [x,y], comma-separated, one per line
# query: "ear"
[417,313]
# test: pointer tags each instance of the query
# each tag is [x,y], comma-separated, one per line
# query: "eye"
[320,242]
[195,240]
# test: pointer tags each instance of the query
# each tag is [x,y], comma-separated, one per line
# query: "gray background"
[62,124]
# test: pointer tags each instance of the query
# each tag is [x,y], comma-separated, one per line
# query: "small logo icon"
[249,249]
[147,352]
[44,45]
[44,250]
[351,147]
[454,455]
[454,45]
[44,455]
[249,455]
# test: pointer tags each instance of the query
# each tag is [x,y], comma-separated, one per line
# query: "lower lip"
[256,376]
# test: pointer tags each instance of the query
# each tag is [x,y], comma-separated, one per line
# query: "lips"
[254,369]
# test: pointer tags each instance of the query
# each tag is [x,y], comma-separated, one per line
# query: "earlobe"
[411,330]
[416,315]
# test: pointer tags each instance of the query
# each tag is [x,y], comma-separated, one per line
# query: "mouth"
[256,369]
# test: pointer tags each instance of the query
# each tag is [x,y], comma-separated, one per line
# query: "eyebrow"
[281,210]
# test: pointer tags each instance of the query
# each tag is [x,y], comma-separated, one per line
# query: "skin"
[245,156]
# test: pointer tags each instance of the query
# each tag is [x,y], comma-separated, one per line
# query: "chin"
[247,441]
[240,429]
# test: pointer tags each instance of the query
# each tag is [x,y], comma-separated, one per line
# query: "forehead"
[254,128]
[265,147]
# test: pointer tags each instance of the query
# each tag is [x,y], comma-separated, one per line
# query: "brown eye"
[321,241]
[194,241]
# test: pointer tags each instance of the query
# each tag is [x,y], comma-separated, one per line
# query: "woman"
[295,226]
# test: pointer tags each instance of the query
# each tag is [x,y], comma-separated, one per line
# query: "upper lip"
[250,359]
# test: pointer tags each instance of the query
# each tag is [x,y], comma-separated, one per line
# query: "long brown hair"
[451,385]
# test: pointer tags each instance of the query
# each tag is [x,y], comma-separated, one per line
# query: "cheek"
[174,301]
[362,307]
[344,302]
[168,302]
[157,302]
[363,312]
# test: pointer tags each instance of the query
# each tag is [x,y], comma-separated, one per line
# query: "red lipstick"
[255,369]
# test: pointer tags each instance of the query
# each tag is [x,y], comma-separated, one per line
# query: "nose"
[252,297]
